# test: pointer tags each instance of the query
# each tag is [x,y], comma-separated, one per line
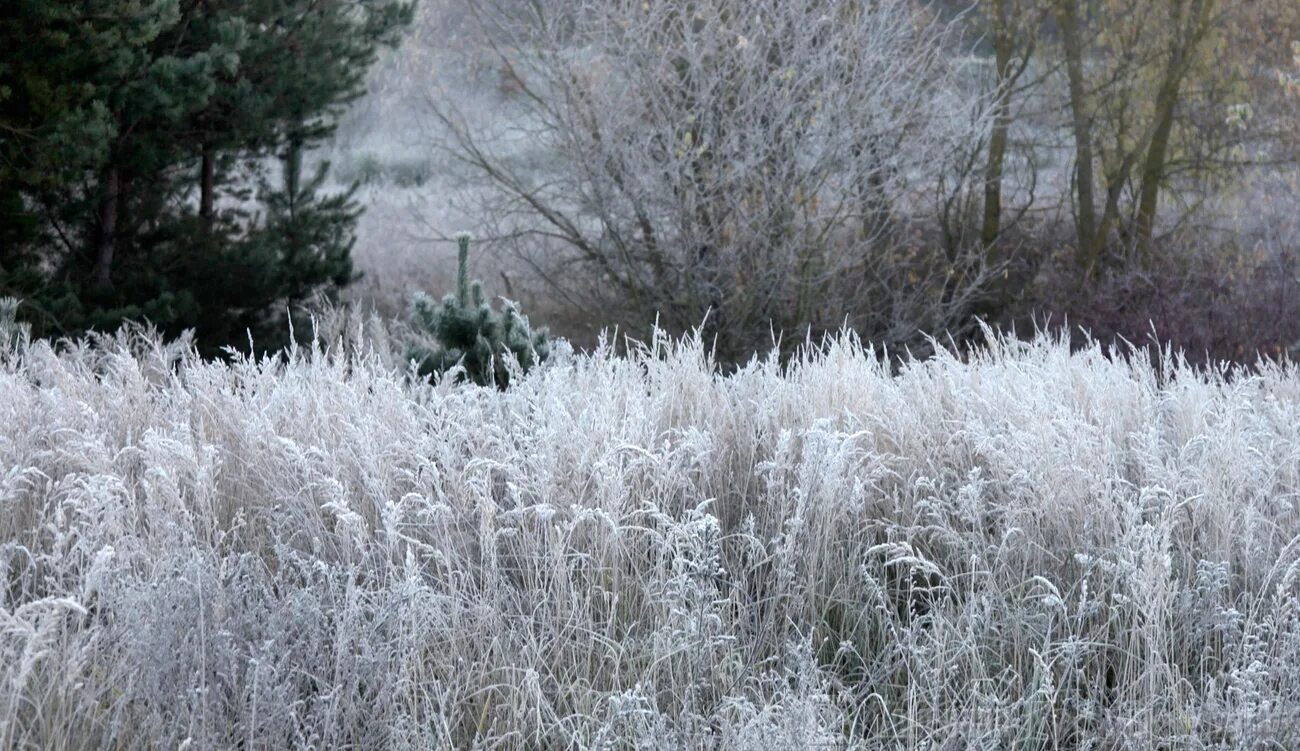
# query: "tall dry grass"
[1031,549]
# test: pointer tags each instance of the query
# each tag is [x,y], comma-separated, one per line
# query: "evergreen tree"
[75,77]
[160,112]
[13,333]
[470,334]
[303,237]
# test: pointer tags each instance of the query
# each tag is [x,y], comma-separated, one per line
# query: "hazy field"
[1032,550]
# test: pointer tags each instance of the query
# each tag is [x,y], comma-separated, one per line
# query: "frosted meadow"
[1028,549]
[289,460]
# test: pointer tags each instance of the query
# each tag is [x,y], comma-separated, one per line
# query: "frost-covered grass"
[1030,550]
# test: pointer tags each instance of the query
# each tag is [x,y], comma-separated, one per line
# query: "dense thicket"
[738,164]
[138,151]
[903,166]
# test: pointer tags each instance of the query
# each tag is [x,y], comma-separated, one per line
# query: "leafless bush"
[758,162]
[1227,288]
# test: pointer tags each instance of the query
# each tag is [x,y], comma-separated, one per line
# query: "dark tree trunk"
[1090,244]
[106,244]
[1199,21]
[207,184]
[1004,48]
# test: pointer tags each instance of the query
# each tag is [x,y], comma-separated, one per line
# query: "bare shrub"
[1227,288]
[759,164]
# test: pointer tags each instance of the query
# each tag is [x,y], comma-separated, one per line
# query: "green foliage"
[302,244]
[68,66]
[134,136]
[468,332]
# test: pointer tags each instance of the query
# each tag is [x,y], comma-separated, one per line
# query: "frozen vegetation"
[1028,549]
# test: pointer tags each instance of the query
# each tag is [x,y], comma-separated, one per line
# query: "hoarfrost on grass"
[1031,549]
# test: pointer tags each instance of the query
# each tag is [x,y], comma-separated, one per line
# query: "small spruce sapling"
[470,333]
[14,334]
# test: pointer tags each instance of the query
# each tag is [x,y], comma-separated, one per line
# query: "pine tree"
[303,241]
[469,333]
[161,112]
[71,72]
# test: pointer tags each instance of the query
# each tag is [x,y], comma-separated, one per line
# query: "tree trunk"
[1004,44]
[871,191]
[1088,252]
[991,228]
[1153,168]
[207,184]
[106,244]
